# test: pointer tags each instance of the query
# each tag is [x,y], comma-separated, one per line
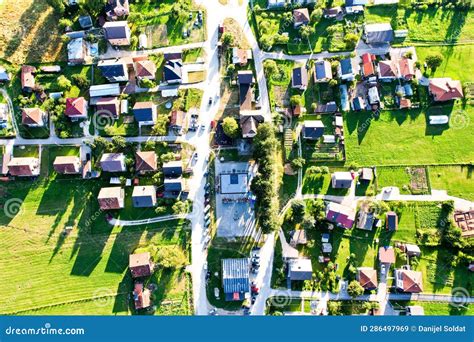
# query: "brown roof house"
[249,121]
[111,198]
[367,278]
[445,89]
[67,165]
[113,162]
[387,255]
[27,77]
[141,296]
[406,66]
[140,265]
[76,108]
[409,281]
[241,56]
[24,167]
[33,117]
[300,17]
[145,161]
[387,70]
[178,121]
[117,33]
[145,69]
[114,9]
[108,106]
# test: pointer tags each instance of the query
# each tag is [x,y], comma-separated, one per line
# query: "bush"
[170,257]
[80,80]
[230,127]
[64,83]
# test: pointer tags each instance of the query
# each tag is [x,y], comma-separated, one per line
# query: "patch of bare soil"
[232,26]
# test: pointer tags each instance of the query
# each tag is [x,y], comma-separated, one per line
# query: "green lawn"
[399,137]
[320,184]
[436,308]
[456,60]
[192,55]
[90,262]
[393,176]
[457,180]
[433,24]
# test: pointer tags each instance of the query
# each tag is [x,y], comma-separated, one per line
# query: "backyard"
[399,137]
[456,179]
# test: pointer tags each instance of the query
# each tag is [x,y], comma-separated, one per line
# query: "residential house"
[300,269]
[141,296]
[408,281]
[77,51]
[67,165]
[245,80]
[172,71]
[386,256]
[368,69]
[412,250]
[300,17]
[102,90]
[391,221]
[145,112]
[298,237]
[140,265]
[117,33]
[115,9]
[76,108]
[358,104]
[113,162]
[374,97]
[313,130]
[299,80]
[145,161]
[108,106]
[326,248]
[387,71]
[341,180]
[277,3]
[173,185]
[354,9]
[111,198]
[367,174]
[322,71]
[144,196]
[341,215]
[178,121]
[380,33]
[302,2]
[114,70]
[347,69]
[145,69]
[445,89]
[333,12]
[405,103]
[328,108]
[27,78]
[236,278]
[241,56]
[406,67]
[33,117]
[173,168]
[5,76]
[366,219]
[367,278]
[24,166]
[249,121]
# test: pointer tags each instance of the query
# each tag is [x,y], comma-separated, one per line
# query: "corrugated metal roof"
[235,275]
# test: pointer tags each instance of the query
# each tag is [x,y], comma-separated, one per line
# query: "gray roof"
[245,77]
[116,29]
[300,269]
[235,275]
[313,129]
[378,33]
[300,77]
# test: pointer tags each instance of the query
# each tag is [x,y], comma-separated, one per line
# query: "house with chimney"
[27,78]
[114,70]
[144,196]
[117,33]
[108,106]
[24,166]
[140,265]
[445,89]
[113,162]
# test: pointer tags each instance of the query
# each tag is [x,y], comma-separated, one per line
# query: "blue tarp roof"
[235,275]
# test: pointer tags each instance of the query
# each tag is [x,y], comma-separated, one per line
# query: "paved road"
[123,223]
[111,53]
[264,275]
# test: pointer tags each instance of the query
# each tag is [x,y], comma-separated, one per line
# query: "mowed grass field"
[85,272]
[457,180]
[457,61]
[401,137]
[29,32]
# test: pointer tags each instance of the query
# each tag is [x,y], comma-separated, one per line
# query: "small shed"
[300,269]
[144,196]
[298,237]
[391,221]
[341,180]
[412,250]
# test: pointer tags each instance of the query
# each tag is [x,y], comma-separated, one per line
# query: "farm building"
[236,278]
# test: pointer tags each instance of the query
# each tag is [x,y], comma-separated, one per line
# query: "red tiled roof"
[27,77]
[412,281]
[367,277]
[387,255]
[76,106]
[145,161]
[32,116]
[407,67]
[145,68]
[445,89]
[368,64]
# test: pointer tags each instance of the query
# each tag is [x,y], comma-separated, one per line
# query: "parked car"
[210,101]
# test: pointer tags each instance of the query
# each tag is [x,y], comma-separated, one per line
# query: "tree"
[308,222]
[64,22]
[270,67]
[354,289]
[351,40]
[298,208]
[316,15]
[119,142]
[167,157]
[434,60]
[179,207]
[296,100]
[58,6]
[94,7]
[287,18]
[170,257]
[298,163]
[227,39]
[267,42]
[146,83]
[64,83]
[230,127]
[80,80]
[306,31]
